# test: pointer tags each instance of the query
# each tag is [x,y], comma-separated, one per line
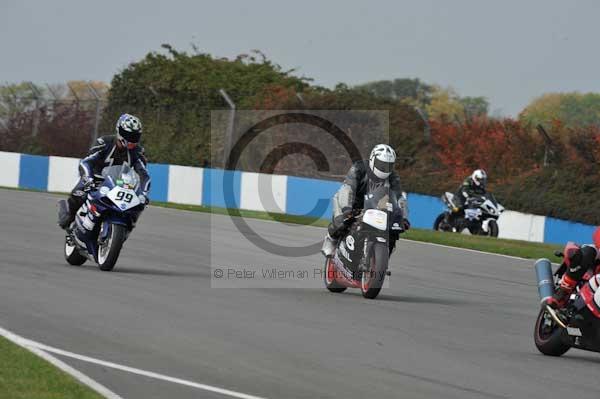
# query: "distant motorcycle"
[480,216]
[104,221]
[361,257]
[578,325]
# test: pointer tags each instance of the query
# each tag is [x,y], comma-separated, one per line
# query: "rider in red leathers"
[578,262]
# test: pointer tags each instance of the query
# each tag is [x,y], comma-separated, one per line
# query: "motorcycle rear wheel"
[372,280]
[108,252]
[437,224]
[548,335]
[72,255]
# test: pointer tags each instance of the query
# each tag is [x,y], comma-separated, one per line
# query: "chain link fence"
[51,119]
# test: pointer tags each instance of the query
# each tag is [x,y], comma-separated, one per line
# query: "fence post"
[157,97]
[548,141]
[35,125]
[97,115]
[427,130]
[229,134]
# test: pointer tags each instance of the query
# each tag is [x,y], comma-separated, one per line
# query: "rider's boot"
[67,209]
[64,214]
[556,303]
[329,245]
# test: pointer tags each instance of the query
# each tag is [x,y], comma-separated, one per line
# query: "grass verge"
[523,249]
[24,375]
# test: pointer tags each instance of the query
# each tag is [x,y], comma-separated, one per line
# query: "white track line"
[84,379]
[29,344]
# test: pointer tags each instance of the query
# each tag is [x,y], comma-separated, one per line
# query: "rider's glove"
[348,214]
[405,224]
[88,183]
[144,198]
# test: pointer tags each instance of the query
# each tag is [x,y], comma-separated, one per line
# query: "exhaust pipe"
[545,279]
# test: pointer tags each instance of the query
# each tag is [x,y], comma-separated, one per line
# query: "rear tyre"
[72,255]
[329,277]
[548,335]
[108,251]
[493,228]
[438,221]
[372,280]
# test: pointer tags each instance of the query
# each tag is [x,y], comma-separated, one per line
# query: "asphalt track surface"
[452,324]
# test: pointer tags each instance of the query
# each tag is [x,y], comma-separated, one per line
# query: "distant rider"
[118,149]
[377,170]
[580,261]
[472,186]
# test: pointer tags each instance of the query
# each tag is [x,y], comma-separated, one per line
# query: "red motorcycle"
[577,325]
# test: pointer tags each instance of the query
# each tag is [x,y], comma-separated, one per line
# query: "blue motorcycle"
[106,218]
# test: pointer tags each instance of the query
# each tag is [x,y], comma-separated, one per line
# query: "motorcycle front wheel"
[329,277]
[548,335]
[493,229]
[109,249]
[372,280]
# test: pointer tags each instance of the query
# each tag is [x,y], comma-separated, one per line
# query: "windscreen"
[122,175]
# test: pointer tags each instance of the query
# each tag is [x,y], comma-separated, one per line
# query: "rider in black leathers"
[472,186]
[120,148]
[378,170]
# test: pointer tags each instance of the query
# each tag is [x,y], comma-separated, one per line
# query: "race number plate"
[124,198]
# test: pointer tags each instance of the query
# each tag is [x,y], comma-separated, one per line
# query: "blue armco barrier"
[557,231]
[221,188]
[33,172]
[310,197]
[423,209]
[160,181]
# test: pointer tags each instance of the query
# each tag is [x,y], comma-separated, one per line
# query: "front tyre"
[72,255]
[108,251]
[372,280]
[329,277]
[548,335]
[493,229]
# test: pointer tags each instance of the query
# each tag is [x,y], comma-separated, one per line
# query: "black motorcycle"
[480,216]
[362,255]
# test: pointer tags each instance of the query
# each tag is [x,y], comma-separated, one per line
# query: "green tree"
[413,91]
[571,109]
[475,106]
[174,93]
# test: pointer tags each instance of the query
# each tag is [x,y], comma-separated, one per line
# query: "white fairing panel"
[597,298]
[375,218]
[124,198]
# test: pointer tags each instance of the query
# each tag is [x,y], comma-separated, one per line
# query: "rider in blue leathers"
[118,149]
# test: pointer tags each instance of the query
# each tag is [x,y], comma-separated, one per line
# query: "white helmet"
[479,177]
[381,160]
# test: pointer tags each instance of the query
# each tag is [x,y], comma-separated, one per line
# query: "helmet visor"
[382,166]
[130,137]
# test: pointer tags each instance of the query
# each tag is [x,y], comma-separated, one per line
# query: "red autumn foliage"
[502,147]
[63,130]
